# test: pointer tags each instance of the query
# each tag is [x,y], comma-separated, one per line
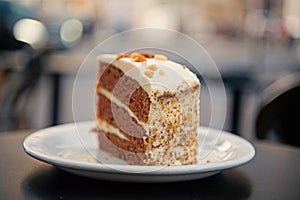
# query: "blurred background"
[255,44]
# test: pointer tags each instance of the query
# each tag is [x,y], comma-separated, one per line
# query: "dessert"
[147,109]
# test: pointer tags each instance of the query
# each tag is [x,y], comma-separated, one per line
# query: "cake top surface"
[155,73]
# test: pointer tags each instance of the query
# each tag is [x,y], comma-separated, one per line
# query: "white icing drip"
[115,100]
[175,77]
[106,127]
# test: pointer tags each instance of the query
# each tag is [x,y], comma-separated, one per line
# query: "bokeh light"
[31,32]
[71,32]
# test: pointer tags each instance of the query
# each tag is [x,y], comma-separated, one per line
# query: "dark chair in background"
[278,118]
[16,90]
[16,85]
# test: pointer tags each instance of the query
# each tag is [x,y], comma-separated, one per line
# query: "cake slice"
[147,109]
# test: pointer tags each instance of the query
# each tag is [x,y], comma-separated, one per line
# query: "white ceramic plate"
[73,148]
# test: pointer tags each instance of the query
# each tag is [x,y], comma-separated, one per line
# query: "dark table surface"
[273,174]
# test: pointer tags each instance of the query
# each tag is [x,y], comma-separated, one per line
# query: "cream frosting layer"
[115,100]
[106,127]
[166,76]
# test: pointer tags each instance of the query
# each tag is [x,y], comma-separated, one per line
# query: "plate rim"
[133,169]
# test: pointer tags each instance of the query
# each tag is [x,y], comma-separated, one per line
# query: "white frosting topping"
[164,76]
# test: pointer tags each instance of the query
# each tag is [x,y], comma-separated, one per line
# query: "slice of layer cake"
[147,109]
